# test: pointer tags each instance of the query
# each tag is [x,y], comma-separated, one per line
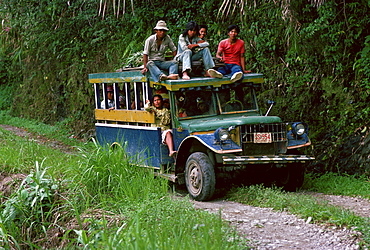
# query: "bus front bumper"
[266,159]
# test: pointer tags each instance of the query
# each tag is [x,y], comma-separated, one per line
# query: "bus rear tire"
[200,177]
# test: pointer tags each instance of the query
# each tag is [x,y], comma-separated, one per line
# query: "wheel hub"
[195,178]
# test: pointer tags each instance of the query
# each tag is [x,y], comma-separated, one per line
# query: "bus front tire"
[200,177]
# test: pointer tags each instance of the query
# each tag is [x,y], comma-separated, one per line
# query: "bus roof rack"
[252,79]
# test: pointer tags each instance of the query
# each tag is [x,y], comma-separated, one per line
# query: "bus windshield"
[236,99]
[195,103]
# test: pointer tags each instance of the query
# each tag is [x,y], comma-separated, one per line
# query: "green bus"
[232,138]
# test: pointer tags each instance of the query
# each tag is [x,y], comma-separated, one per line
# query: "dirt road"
[268,229]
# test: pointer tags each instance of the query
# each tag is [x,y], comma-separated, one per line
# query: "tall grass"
[98,199]
[152,218]
[27,213]
[108,173]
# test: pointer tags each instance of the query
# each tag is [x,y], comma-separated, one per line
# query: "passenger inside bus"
[193,103]
[133,105]
[122,98]
[180,104]
[110,96]
[203,107]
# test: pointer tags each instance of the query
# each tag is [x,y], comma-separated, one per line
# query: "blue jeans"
[230,69]
[155,68]
[187,57]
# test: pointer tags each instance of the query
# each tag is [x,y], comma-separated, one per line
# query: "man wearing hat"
[154,55]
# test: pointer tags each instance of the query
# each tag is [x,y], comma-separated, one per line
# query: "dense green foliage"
[315,57]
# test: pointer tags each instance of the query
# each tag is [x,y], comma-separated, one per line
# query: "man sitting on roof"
[187,45]
[231,52]
[154,55]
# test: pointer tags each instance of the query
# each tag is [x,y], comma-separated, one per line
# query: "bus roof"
[173,85]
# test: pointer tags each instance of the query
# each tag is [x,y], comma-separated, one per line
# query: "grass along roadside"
[19,155]
[96,199]
[153,219]
[309,207]
[333,183]
[58,132]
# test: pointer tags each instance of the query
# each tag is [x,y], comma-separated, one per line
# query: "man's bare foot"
[173,77]
[163,77]
[185,76]
[173,153]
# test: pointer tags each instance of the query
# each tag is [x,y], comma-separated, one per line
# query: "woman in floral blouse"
[162,120]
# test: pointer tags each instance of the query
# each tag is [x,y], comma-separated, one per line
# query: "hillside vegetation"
[314,55]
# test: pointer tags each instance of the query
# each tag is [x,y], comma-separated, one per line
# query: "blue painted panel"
[179,136]
[165,158]
[209,140]
[294,140]
[141,143]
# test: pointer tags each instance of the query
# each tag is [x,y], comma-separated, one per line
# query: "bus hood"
[204,124]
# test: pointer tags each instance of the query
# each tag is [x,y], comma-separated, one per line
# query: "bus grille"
[276,130]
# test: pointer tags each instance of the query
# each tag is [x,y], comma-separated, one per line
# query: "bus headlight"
[299,128]
[221,135]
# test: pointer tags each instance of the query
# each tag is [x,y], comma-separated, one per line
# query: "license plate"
[262,138]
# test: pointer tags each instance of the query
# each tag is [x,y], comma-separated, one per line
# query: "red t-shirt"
[231,52]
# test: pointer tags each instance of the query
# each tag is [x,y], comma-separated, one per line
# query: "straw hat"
[161,25]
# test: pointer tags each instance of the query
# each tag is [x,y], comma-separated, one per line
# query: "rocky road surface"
[268,229]
[263,227]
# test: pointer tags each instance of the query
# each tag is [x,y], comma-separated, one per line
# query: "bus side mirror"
[271,103]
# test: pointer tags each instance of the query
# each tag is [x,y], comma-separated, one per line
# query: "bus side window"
[97,96]
[107,97]
[180,104]
[139,94]
[122,96]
